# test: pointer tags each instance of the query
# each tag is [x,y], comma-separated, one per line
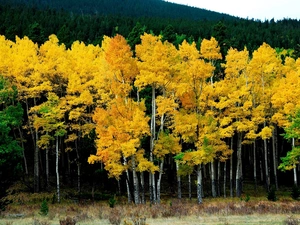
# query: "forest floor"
[253,208]
[212,211]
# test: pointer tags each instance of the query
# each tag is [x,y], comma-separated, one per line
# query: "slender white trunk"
[135,182]
[199,184]
[36,164]
[47,168]
[274,148]
[266,164]
[153,136]
[225,178]
[213,180]
[231,169]
[142,187]
[127,182]
[161,170]
[239,167]
[254,165]
[294,170]
[178,181]
[78,167]
[57,171]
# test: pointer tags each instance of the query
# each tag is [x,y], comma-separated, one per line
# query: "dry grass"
[212,211]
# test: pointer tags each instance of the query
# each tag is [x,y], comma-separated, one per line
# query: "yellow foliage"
[144,164]
[165,105]
[210,49]
[266,132]
[166,143]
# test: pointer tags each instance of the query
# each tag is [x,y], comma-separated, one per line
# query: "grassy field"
[254,208]
[173,212]
[191,220]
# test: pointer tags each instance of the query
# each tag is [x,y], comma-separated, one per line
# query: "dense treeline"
[131,8]
[160,112]
[70,26]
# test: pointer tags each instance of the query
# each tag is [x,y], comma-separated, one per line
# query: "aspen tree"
[157,66]
[263,69]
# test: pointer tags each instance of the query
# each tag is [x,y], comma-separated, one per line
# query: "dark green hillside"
[135,8]
[40,21]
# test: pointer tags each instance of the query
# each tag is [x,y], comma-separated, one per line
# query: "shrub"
[44,208]
[112,202]
[246,199]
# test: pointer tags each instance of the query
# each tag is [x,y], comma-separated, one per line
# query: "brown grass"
[172,211]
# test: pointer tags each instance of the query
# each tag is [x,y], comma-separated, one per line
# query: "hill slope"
[136,8]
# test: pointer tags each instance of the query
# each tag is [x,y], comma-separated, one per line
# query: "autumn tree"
[21,68]
[263,69]
[195,121]
[122,123]
[48,119]
[157,66]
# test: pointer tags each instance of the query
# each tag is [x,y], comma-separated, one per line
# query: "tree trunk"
[274,148]
[178,182]
[47,168]
[225,178]
[199,184]
[254,166]
[239,166]
[127,183]
[161,170]
[294,170]
[153,123]
[266,165]
[142,188]
[57,171]
[213,180]
[23,151]
[190,186]
[218,179]
[78,167]
[136,193]
[36,165]
[231,170]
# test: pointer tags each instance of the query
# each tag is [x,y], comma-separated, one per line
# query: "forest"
[147,112]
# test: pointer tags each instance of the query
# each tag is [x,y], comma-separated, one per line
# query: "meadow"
[245,210]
